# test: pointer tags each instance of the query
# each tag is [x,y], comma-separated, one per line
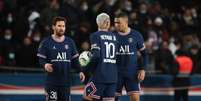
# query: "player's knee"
[108,99]
[96,100]
[87,98]
[134,97]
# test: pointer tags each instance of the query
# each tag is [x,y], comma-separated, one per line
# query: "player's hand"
[141,75]
[82,76]
[48,67]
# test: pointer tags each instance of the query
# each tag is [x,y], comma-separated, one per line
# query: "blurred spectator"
[184,61]
[164,60]
[172,45]
[32,22]
[189,19]
[195,54]
[37,37]
[8,20]
[1,5]
[127,6]
[134,21]
[7,13]
[71,13]
[185,66]
[143,14]
[107,6]
[8,47]
[85,11]
[25,55]
[85,46]
[189,40]
[48,13]
[151,35]
[82,35]
[155,10]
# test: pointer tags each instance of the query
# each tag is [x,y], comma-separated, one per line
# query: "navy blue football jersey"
[104,45]
[60,54]
[127,52]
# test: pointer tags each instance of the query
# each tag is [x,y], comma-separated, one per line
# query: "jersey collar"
[58,40]
[126,33]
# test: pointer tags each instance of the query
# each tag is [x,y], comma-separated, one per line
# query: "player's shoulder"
[115,33]
[94,34]
[45,42]
[136,33]
[112,33]
[102,32]
[99,33]
[69,39]
[46,39]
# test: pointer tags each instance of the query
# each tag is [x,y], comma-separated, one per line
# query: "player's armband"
[144,59]
[95,46]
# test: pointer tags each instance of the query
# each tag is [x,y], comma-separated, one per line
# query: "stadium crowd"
[167,26]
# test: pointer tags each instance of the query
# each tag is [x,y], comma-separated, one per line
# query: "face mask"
[112,2]
[143,11]
[36,38]
[194,12]
[128,6]
[188,45]
[9,19]
[84,7]
[8,37]
[11,55]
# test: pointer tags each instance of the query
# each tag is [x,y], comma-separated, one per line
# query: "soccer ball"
[84,58]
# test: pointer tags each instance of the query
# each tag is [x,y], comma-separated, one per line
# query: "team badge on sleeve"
[66,47]
[130,40]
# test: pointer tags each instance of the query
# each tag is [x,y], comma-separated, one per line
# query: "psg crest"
[130,40]
[66,46]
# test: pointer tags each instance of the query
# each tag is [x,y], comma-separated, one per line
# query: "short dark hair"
[58,18]
[122,14]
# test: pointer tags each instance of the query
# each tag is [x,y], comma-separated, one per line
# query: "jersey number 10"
[110,50]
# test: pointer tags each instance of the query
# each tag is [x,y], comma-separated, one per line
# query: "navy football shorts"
[131,86]
[100,90]
[57,93]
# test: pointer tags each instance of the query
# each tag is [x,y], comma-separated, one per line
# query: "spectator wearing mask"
[8,48]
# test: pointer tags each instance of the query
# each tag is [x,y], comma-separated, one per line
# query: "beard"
[59,33]
[120,29]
